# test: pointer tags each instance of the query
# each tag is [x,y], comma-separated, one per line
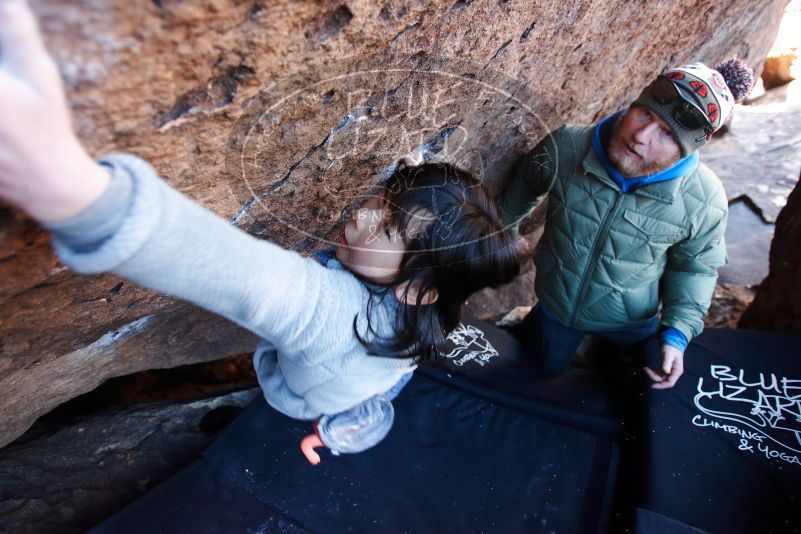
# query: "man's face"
[641,144]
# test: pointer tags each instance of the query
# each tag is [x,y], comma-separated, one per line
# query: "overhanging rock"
[169,80]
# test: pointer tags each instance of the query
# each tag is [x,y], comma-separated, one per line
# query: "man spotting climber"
[635,222]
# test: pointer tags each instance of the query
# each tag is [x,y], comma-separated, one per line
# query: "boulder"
[278,115]
[70,474]
[777,304]
[777,70]
[780,65]
[757,158]
[728,303]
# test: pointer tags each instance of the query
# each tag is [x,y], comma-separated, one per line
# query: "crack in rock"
[217,93]
[335,23]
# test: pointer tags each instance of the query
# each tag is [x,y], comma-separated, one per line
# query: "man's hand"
[672,368]
[43,168]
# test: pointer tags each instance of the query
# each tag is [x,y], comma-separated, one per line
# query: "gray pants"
[364,425]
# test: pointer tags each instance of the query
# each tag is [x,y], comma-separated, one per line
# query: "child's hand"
[43,168]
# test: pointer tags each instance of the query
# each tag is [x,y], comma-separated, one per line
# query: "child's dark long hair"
[455,245]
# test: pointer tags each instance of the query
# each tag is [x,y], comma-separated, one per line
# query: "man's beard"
[631,166]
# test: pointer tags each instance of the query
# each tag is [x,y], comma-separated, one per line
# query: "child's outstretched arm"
[121,217]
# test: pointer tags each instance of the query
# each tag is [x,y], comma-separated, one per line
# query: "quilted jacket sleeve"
[532,178]
[691,272]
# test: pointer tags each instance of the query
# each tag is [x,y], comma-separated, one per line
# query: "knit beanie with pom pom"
[695,101]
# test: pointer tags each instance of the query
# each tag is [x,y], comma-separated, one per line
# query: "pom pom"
[739,77]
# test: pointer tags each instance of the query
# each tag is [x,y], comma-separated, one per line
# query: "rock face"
[781,64]
[68,476]
[249,107]
[757,159]
[777,305]
[777,70]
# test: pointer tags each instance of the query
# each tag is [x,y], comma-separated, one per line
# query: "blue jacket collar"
[600,136]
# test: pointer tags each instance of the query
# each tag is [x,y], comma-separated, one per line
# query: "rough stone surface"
[760,155]
[489,304]
[168,80]
[777,305]
[777,70]
[166,339]
[175,384]
[781,65]
[729,301]
[747,246]
[69,475]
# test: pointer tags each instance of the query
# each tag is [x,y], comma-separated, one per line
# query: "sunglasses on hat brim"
[686,113]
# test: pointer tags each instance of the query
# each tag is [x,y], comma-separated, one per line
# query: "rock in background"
[168,80]
[781,65]
[777,305]
[68,475]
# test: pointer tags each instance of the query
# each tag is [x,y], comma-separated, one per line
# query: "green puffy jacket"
[607,259]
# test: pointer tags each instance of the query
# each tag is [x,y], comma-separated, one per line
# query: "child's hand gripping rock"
[43,168]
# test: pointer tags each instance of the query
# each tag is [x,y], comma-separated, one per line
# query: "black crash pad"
[721,451]
[457,460]
[589,397]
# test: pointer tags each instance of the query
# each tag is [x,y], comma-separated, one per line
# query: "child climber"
[340,335]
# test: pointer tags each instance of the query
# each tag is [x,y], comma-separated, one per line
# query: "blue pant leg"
[548,343]
[630,336]
[395,390]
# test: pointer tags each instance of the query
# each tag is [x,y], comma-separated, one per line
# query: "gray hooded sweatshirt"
[309,362]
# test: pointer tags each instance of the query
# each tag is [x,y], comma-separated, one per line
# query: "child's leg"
[396,389]
[548,343]
[359,428]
